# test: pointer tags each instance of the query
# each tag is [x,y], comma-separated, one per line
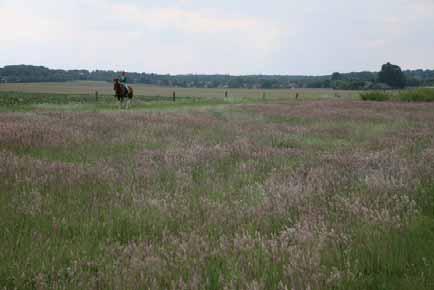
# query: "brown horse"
[122,92]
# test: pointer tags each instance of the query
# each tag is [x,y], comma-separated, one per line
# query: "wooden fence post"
[174,96]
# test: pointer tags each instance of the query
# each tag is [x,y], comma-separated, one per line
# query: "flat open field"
[105,88]
[244,193]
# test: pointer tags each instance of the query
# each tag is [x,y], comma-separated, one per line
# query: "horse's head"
[117,86]
[115,83]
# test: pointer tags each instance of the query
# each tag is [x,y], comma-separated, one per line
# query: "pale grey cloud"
[238,37]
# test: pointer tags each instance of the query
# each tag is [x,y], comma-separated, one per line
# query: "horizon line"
[209,74]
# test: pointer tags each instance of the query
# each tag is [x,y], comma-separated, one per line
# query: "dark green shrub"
[419,95]
[375,96]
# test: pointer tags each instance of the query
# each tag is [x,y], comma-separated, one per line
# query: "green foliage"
[419,77]
[353,80]
[268,84]
[375,96]
[349,85]
[392,75]
[336,76]
[419,95]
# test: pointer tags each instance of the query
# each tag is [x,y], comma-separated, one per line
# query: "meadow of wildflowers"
[302,195]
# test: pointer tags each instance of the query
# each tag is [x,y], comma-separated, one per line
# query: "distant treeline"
[344,81]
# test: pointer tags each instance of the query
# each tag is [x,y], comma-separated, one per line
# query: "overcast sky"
[218,36]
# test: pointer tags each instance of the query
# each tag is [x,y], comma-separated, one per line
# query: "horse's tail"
[130,92]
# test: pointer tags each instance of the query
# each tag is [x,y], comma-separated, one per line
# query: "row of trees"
[390,76]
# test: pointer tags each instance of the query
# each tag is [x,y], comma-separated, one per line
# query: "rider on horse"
[122,89]
[123,79]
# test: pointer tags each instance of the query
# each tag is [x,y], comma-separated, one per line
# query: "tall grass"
[305,195]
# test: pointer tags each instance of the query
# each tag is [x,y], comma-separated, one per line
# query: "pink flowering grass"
[287,195]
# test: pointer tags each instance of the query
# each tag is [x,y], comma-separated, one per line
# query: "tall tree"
[336,76]
[392,75]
